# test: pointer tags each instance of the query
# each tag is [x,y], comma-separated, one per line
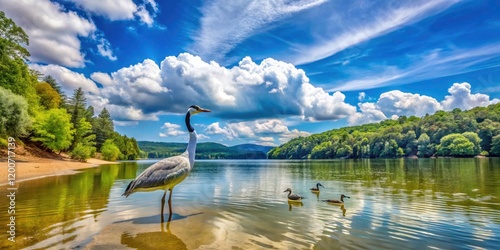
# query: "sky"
[270,70]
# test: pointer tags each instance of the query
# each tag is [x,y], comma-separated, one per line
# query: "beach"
[30,167]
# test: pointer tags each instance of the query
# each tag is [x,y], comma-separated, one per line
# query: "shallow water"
[394,204]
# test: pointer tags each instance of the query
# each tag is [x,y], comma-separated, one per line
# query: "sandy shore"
[30,167]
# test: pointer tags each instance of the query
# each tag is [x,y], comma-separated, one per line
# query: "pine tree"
[76,108]
[103,128]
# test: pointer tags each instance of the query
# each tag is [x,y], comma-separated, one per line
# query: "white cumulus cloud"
[246,91]
[461,97]
[54,32]
[171,130]
[263,132]
[69,80]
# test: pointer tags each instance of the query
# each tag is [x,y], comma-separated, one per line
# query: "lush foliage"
[53,129]
[14,118]
[454,133]
[109,151]
[81,152]
[59,123]
[206,150]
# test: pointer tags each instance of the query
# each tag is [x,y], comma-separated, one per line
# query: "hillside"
[205,150]
[455,133]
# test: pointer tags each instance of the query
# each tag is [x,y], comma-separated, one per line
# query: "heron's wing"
[294,197]
[167,171]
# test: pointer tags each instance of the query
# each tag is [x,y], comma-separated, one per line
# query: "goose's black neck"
[188,122]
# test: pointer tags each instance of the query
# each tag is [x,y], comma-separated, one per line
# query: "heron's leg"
[163,204]
[170,204]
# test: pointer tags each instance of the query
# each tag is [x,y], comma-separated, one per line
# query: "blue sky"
[269,70]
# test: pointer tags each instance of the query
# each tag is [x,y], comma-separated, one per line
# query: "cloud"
[54,33]
[246,91]
[120,9]
[369,113]
[171,130]
[102,78]
[261,131]
[104,49]
[461,97]
[225,24]
[384,21]
[400,103]
[395,103]
[69,80]
[431,64]
[361,96]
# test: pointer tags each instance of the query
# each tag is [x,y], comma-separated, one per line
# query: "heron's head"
[195,109]
[319,184]
[287,190]
[344,196]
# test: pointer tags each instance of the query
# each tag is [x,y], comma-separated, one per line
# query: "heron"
[293,197]
[338,202]
[316,189]
[171,171]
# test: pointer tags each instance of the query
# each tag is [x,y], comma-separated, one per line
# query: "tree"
[81,152]
[423,143]
[109,151]
[103,127]
[77,108]
[495,146]
[53,83]
[84,141]
[14,73]
[474,138]
[53,129]
[455,145]
[14,118]
[49,98]
[12,39]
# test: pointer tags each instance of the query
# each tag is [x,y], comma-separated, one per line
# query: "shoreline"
[30,168]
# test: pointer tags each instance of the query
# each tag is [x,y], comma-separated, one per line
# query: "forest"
[204,150]
[455,133]
[34,109]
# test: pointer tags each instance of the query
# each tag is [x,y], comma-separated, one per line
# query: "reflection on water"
[401,203]
[163,239]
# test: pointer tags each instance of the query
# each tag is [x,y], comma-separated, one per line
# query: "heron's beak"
[204,110]
[285,191]
[348,197]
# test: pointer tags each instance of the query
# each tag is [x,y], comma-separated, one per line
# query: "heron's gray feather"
[169,171]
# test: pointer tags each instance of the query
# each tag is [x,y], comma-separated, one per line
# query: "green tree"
[103,127]
[455,145]
[81,152]
[53,83]
[83,136]
[49,98]
[474,138]
[12,39]
[495,146]
[14,118]
[14,73]
[53,129]
[77,108]
[109,151]
[424,146]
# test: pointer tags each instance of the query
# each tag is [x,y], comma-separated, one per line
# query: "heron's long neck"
[191,148]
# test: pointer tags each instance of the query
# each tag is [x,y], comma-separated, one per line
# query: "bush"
[81,152]
[109,151]
[15,120]
[53,129]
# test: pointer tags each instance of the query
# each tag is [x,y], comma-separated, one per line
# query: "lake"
[240,204]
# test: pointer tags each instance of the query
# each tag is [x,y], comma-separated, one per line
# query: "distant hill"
[252,147]
[205,150]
